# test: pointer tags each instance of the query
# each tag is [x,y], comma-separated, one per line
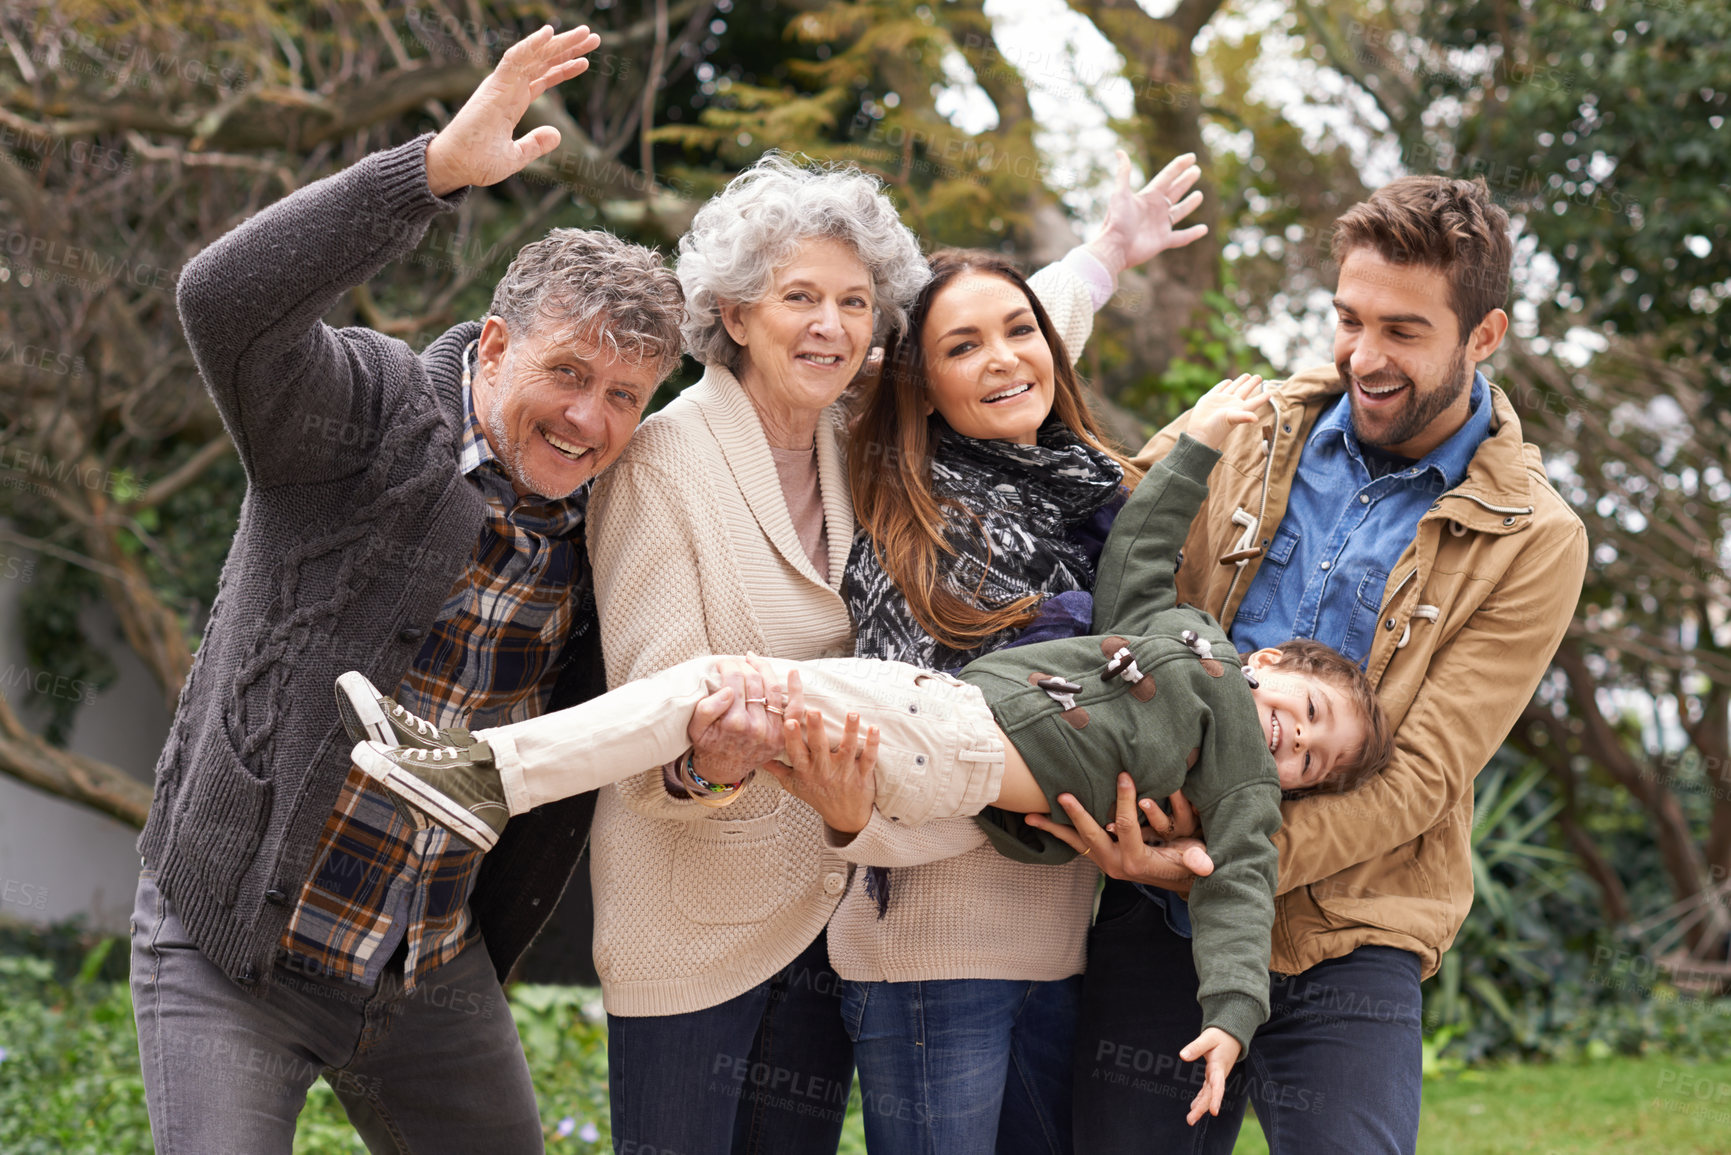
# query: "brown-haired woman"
[984,490]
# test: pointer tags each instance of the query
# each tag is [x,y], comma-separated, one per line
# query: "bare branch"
[380,21]
[149,151]
[1191,16]
[1392,94]
[30,759]
[657,61]
[210,452]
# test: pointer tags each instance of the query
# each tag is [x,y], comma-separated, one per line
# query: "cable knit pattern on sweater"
[355,524]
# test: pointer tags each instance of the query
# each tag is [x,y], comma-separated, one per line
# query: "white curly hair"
[756,224]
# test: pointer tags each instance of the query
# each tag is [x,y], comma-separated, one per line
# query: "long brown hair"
[890,464]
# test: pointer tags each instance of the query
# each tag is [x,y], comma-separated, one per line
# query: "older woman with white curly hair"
[724,528]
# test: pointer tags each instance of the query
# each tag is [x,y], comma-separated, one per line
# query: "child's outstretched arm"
[1135,578]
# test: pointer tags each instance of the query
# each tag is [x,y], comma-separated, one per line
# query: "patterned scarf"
[1026,501]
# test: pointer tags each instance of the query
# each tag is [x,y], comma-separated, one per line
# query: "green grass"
[1609,1107]
[69,1082]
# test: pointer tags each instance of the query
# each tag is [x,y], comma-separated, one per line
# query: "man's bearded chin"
[509,448]
[1416,412]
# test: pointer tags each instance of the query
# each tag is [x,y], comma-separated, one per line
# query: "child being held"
[1156,691]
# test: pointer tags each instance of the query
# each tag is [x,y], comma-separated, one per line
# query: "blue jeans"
[224,1070]
[765,1073]
[1337,1067]
[965,1066]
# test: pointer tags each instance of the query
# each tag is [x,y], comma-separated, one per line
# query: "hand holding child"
[1222,1051]
[1228,404]
[739,725]
[839,782]
[1173,862]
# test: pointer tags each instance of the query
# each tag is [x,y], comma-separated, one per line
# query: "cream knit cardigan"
[695,553]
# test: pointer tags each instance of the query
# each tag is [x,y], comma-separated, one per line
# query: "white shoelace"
[424,728]
[436,754]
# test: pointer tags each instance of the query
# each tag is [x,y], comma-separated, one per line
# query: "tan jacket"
[1471,615]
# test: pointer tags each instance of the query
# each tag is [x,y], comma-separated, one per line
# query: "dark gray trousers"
[440,1070]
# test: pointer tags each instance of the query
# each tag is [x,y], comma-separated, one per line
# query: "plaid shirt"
[489,659]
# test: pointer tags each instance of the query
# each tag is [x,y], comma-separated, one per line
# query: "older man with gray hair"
[418,518]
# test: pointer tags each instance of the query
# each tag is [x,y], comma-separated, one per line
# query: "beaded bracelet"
[719,793]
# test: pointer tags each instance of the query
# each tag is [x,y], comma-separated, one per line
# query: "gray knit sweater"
[355,523]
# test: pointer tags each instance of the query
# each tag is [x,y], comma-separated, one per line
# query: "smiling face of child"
[1311,725]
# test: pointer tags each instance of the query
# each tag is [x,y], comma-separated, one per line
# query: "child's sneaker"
[458,789]
[370,716]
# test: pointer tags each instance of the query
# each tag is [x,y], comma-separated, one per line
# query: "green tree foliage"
[859,83]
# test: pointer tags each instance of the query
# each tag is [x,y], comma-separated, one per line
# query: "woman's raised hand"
[1230,403]
[477,148]
[1142,223]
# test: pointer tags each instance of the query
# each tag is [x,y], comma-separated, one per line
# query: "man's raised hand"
[477,147]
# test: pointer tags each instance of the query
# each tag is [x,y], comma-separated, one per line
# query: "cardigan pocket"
[727,872]
[226,817]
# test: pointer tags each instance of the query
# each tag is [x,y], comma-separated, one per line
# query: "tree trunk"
[1163,299]
[1712,737]
[1682,860]
[1048,234]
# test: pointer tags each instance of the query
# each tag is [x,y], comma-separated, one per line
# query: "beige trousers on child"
[940,754]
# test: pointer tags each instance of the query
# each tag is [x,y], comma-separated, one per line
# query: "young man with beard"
[1389,508]
[420,517]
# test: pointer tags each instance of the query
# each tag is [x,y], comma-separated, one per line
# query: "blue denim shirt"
[1331,555]
[1343,532]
